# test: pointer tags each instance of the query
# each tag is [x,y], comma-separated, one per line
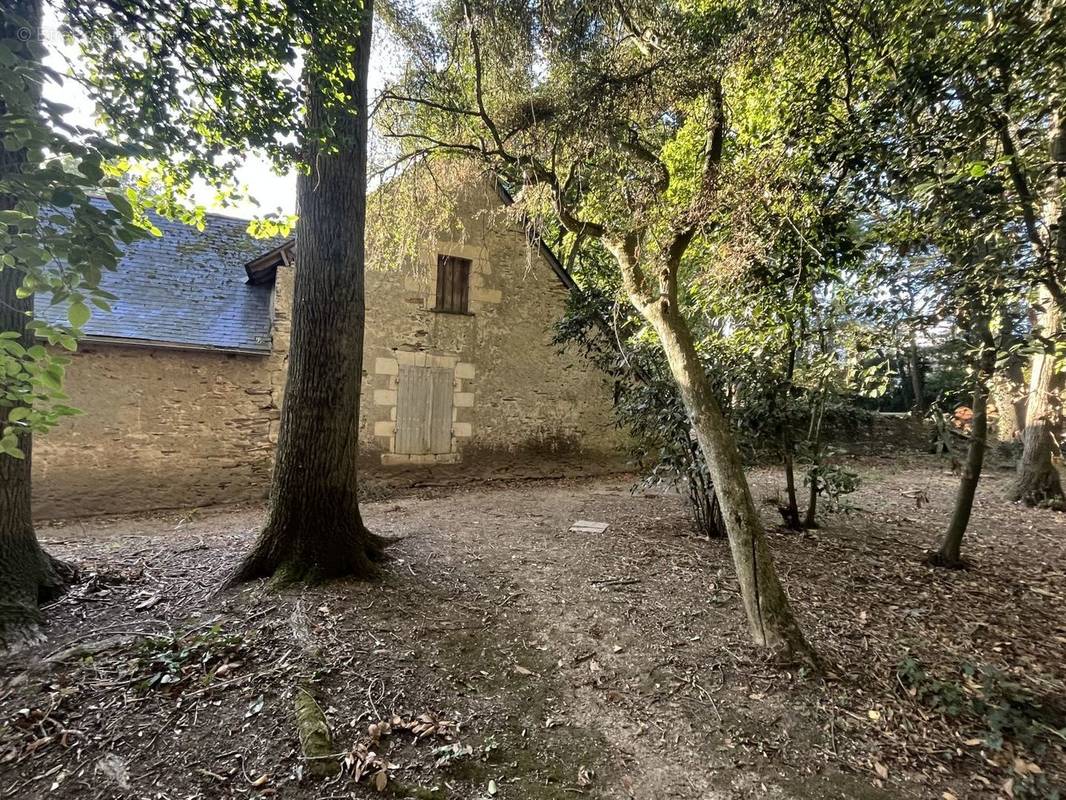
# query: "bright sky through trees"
[271,192]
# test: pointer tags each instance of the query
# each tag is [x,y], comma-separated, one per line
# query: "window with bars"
[453,285]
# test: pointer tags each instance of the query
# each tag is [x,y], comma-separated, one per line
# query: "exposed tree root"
[289,556]
[1040,491]
[937,558]
[37,578]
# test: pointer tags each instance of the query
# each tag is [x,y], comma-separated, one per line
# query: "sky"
[274,193]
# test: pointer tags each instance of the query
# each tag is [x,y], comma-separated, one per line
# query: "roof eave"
[163,345]
[560,271]
[261,269]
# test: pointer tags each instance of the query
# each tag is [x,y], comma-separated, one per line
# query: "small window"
[453,285]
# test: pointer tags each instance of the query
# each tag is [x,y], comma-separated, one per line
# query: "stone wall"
[165,428]
[516,397]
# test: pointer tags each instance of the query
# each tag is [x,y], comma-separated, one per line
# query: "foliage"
[171,663]
[1009,718]
[832,481]
[53,232]
[647,404]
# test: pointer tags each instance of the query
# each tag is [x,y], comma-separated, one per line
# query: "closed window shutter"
[424,410]
[453,284]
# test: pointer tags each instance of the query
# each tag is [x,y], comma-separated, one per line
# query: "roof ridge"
[216,214]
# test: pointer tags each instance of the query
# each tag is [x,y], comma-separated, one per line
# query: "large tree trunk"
[950,552]
[1038,481]
[314,530]
[1009,395]
[28,575]
[769,611]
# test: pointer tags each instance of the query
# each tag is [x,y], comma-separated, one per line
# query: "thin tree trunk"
[906,394]
[791,510]
[769,611]
[810,519]
[314,530]
[814,435]
[1038,482]
[917,379]
[28,575]
[950,552]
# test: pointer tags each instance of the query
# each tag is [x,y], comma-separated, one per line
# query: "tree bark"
[917,379]
[814,437]
[1038,482]
[810,518]
[314,530]
[1009,395]
[950,552]
[28,575]
[791,510]
[768,609]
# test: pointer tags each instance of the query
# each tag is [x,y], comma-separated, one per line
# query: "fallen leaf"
[1023,767]
[584,776]
[522,670]
[881,770]
[144,605]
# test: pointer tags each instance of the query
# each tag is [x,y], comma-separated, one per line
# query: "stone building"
[181,384]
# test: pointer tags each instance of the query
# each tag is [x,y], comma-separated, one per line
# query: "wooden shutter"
[412,393]
[424,410]
[453,284]
[440,410]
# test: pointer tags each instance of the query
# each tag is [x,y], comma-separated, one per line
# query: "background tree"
[965,97]
[207,85]
[614,127]
[314,530]
[54,240]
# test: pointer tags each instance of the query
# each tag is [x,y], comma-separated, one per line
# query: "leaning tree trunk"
[28,575]
[950,552]
[314,530]
[769,611]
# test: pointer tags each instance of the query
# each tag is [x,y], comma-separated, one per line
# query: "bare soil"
[613,665]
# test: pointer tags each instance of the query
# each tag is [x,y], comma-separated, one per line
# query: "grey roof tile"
[187,288]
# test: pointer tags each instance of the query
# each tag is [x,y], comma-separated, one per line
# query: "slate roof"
[185,289]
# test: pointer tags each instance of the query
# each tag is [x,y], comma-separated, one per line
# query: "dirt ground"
[553,664]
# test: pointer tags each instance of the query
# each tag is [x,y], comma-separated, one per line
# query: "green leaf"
[17,413]
[78,314]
